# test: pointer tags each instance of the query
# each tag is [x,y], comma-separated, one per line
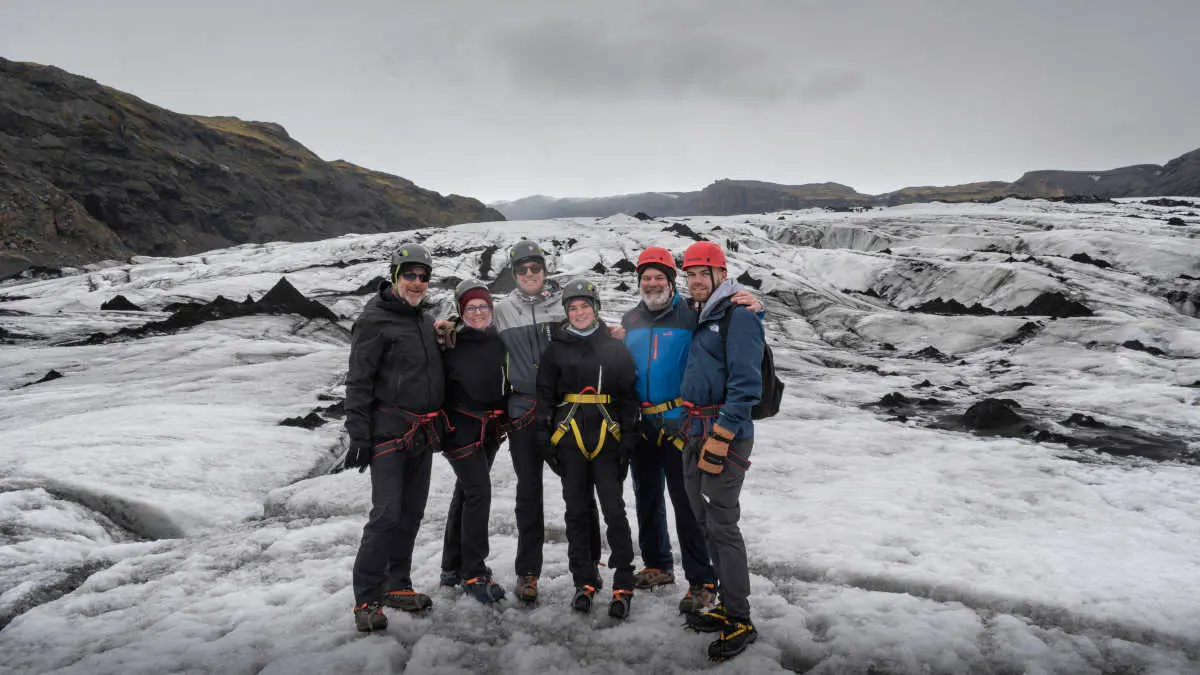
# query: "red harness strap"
[485,417]
[421,421]
[706,415]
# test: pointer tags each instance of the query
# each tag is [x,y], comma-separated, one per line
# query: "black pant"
[465,548]
[651,466]
[531,517]
[399,490]
[580,479]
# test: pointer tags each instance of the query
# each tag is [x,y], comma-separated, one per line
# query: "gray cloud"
[572,58]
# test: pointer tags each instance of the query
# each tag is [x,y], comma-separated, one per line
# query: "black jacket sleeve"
[366,352]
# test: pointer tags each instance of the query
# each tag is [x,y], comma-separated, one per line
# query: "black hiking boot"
[715,619]
[450,578]
[484,589]
[527,588]
[736,636]
[369,617]
[618,607]
[408,600]
[699,598]
[582,602]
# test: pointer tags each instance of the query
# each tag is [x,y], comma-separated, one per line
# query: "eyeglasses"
[480,309]
[423,277]
[528,268]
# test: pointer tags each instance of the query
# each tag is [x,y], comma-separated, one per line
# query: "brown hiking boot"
[527,588]
[369,617]
[652,577]
[408,600]
[699,598]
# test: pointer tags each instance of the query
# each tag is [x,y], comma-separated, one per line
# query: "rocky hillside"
[88,172]
[1180,176]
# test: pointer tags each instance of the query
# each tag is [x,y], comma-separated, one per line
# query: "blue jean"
[652,467]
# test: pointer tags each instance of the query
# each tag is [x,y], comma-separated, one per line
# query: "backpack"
[772,386]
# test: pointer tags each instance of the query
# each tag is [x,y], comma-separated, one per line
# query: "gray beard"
[658,304]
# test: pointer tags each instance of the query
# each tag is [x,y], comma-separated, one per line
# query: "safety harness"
[586,397]
[485,418]
[426,422]
[649,409]
[706,415]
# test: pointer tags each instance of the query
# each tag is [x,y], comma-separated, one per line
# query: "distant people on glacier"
[587,427]
[394,394]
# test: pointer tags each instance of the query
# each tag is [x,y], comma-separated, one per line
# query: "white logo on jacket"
[714,328]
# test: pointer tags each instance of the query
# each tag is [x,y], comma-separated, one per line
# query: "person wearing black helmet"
[476,395]
[586,422]
[394,394]
[524,319]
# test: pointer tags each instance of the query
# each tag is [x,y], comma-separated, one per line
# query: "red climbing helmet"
[703,254]
[659,257]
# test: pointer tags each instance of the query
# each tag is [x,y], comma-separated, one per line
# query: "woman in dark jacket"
[587,414]
[476,391]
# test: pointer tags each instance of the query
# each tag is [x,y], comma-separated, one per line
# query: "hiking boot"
[618,607]
[737,635]
[408,600]
[484,590]
[450,578]
[582,602]
[527,587]
[699,598]
[369,617]
[715,619]
[652,577]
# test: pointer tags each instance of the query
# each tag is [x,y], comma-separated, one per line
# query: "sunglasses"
[416,276]
[529,268]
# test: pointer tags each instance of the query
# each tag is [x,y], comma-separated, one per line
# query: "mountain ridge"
[1178,177]
[89,172]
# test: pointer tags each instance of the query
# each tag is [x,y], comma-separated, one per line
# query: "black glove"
[358,456]
[629,443]
[555,465]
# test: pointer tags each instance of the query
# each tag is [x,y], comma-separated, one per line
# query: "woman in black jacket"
[587,414]
[476,391]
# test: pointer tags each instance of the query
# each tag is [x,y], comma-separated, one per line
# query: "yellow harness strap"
[662,407]
[610,425]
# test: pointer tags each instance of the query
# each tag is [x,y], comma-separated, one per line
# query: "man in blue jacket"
[658,332]
[721,384]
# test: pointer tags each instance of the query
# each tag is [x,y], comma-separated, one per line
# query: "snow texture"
[156,518]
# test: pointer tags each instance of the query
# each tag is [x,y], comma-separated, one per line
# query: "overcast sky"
[505,99]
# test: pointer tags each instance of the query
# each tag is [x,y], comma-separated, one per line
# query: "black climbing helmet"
[581,288]
[467,285]
[524,250]
[412,254]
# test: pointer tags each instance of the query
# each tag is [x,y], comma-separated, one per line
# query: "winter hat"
[474,294]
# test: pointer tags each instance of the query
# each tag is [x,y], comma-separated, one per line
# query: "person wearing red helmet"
[721,384]
[658,331]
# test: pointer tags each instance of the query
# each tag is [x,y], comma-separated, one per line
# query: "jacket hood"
[719,301]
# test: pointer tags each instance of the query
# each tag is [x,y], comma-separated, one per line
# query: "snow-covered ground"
[154,517]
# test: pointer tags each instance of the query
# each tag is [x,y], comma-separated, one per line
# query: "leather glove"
[446,333]
[716,447]
[358,456]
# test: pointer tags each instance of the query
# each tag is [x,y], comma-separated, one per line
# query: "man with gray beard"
[658,331]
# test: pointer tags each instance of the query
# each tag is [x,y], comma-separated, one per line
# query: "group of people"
[666,396]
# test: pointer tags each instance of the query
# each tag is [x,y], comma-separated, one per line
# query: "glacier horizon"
[157,518]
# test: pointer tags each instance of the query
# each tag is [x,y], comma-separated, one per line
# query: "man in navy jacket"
[721,384]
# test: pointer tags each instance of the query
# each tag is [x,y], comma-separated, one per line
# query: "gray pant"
[714,499]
